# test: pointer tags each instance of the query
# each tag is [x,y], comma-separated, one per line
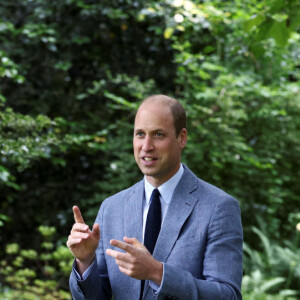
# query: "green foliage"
[275,19]
[3,218]
[243,107]
[31,274]
[273,268]
[256,286]
[8,68]
[72,74]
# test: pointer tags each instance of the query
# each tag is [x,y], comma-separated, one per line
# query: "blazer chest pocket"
[187,241]
[187,253]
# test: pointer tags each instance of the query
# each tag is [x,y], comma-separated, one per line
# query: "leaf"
[63,65]
[255,20]
[274,29]
[294,20]
[264,30]
[287,293]
[168,32]
[269,284]
[4,174]
[2,98]
[280,33]
[266,243]
[204,75]
[212,67]
[277,6]
[120,100]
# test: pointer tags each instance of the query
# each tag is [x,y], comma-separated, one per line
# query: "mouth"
[148,159]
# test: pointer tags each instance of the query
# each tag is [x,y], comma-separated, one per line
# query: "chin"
[148,172]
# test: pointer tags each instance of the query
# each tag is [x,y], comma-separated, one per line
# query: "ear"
[182,138]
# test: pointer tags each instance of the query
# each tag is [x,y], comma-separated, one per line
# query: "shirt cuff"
[85,274]
[155,286]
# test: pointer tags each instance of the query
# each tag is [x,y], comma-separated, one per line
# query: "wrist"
[82,265]
[157,273]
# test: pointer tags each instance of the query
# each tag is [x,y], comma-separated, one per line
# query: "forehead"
[152,114]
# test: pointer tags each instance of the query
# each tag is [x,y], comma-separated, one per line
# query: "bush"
[30,275]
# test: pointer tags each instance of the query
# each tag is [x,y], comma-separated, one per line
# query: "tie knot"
[155,194]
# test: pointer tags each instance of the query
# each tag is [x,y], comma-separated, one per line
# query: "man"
[198,251]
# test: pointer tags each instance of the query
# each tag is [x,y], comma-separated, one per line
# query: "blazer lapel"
[181,206]
[133,212]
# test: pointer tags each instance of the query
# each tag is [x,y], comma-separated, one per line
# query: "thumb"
[96,231]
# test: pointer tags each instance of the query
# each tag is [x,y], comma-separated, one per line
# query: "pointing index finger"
[124,246]
[77,215]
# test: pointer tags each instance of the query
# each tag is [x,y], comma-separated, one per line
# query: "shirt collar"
[166,189]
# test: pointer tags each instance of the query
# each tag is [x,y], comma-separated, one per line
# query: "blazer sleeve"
[96,285]
[222,264]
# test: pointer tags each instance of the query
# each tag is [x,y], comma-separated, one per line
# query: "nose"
[147,144]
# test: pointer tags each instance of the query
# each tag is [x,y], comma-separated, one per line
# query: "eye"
[139,134]
[159,134]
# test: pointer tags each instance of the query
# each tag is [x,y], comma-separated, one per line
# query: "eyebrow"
[155,130]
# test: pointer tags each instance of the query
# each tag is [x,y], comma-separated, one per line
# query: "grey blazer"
[200,245]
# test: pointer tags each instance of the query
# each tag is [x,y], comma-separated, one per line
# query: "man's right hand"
[83,242]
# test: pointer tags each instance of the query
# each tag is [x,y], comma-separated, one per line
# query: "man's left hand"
[137,262]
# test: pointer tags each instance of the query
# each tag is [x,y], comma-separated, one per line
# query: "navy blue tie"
[153,224]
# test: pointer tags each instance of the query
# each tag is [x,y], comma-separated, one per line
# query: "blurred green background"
[72,73]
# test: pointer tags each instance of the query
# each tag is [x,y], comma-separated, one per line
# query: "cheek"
[134,143]
[169,149]
[173,153]
[136,147]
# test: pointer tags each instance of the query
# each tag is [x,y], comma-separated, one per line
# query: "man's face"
[157,150]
